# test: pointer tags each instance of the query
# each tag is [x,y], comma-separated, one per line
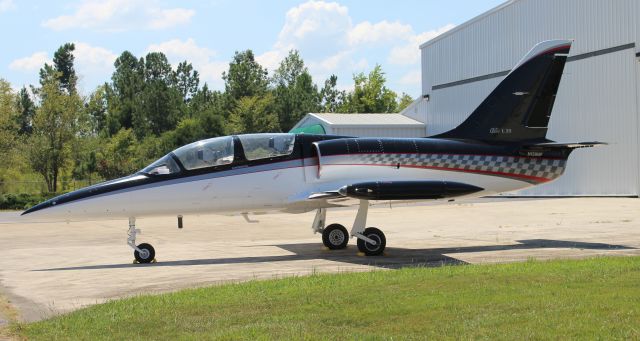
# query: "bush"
[22,201]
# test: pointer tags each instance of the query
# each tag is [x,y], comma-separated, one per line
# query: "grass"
[595,298]
[8,313]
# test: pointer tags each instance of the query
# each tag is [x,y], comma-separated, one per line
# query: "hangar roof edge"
[467,23]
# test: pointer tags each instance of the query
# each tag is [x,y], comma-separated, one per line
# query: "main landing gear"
[371,241]
[143,253]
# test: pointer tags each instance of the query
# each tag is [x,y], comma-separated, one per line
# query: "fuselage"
[283,179]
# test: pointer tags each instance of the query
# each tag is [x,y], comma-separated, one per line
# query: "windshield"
[262,146]
[206,153]
[165,165]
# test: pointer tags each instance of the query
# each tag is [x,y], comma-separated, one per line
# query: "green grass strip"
[596,298]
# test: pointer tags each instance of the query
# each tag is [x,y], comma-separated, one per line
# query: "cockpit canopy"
[219,151]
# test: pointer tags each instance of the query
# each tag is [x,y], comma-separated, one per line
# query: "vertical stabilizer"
[519,108]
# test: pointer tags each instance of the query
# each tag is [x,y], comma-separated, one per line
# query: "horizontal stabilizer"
[556,145]
[573,145]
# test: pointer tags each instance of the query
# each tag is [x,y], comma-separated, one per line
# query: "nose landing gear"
[143,253]
[367,246]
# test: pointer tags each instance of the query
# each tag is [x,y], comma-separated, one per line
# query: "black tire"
[148,257]
[369,249]
[335,237]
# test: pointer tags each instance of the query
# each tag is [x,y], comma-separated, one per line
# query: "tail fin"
[520,106]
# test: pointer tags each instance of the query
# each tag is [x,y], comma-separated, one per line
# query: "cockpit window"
[262,146]
[165,165]
[206,153]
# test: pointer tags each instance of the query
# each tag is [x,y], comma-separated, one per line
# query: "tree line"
[148,108]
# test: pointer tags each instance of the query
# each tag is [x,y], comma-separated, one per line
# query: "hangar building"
[598,98]
[362,125]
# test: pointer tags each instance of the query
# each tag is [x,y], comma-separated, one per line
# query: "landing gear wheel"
[368,248]
[335,237]
[147,255]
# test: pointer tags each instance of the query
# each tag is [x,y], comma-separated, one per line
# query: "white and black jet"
[501,147]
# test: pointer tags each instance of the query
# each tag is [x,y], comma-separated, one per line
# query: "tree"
[159,110]
[370,95]
[245,77]
[63,65]
[254,114]
[127,85]
[26,111]
[157,68]
[9,139]
[204,99]
[295,93]
[8,125]
[331,98]
[55,126]
[405,101]
[117,157]
[187,80]
[84,156]
[97,109]
[212,122]
[160,106]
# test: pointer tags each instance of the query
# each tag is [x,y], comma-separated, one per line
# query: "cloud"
[202,58]
[93,60]
[319,30]
[30,63]
[411,78]
[6,5]
[409,53]
[120,15]
[382,32]
[93,64]
[170,17]
[314,19]
[93,56]
[331,42]
[271,59]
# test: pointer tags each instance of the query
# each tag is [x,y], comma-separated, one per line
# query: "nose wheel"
[374,243]
[145,253]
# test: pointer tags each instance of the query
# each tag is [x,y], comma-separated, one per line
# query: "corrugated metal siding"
[597,103]
[598,97]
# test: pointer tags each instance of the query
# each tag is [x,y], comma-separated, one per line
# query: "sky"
[341,37]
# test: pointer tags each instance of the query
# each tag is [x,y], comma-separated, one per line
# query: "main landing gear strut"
[143,253]
[371,241]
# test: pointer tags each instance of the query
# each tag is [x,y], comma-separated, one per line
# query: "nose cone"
[89,192]
[40,206]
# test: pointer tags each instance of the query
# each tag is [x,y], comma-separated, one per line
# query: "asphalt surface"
[51,268]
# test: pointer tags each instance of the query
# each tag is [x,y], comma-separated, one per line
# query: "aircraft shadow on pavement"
[394,258]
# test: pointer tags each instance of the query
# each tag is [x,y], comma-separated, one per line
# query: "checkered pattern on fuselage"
[530,169]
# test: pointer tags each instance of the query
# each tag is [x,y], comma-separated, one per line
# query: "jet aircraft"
[500,147]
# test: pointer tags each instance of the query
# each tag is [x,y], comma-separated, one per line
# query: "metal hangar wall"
[598,99]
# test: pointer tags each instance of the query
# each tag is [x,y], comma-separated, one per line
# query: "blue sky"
[342,37]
